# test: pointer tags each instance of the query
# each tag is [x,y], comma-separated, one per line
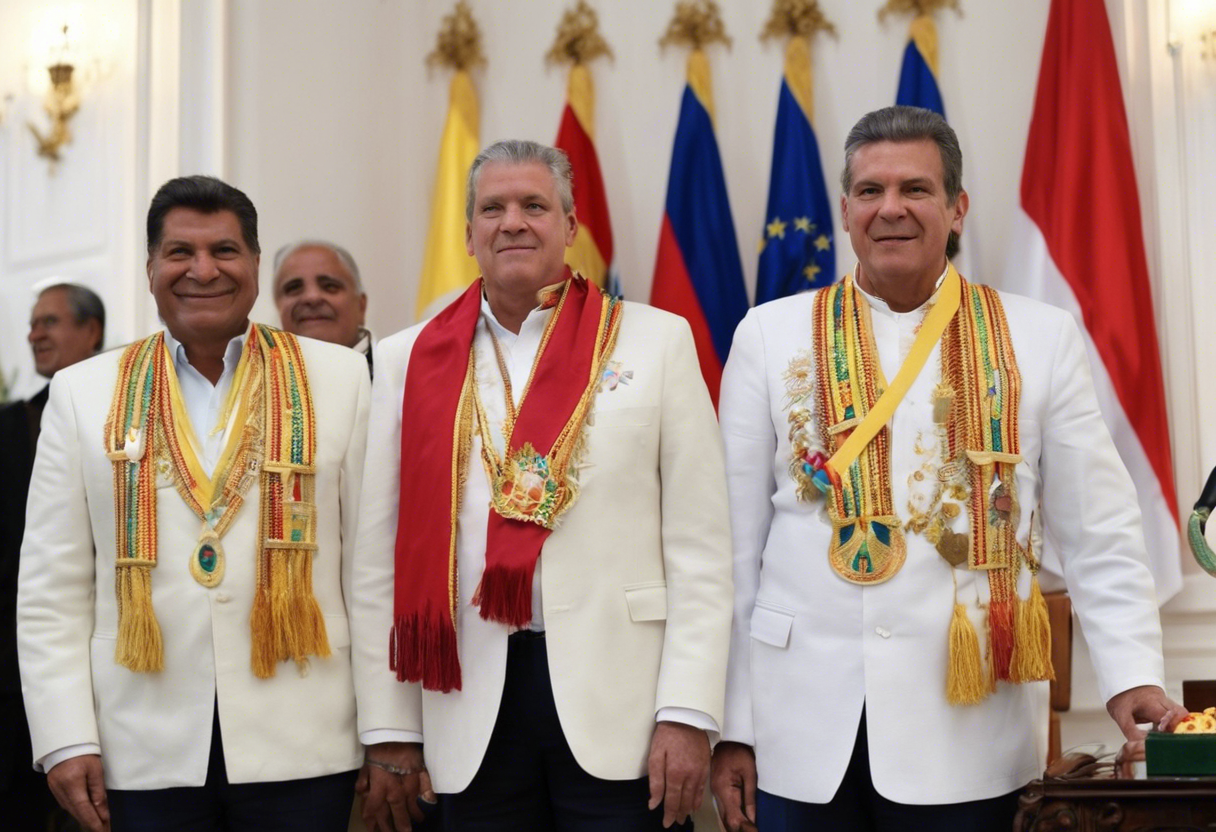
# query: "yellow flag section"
[591,254]
[447,268]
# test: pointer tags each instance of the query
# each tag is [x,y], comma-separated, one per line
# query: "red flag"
[1082,248]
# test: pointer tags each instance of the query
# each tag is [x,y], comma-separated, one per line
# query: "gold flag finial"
[917,7]
[696,23]
[796,18]
[459,44]
[578,38]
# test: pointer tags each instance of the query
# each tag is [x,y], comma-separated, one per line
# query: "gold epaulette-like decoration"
[917,7]
[459,42]
[696,23]
[796,18]
[578,38]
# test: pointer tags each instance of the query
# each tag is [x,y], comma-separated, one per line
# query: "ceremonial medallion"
[207,559]
[867,550]
[525,489]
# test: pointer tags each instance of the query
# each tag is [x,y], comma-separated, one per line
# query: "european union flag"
[797,250]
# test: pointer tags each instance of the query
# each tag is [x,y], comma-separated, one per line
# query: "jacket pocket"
[771,624]
[647,602]
[622,417]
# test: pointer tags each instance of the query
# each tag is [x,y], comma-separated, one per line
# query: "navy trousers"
[529,780]
[314,804]
[858,807]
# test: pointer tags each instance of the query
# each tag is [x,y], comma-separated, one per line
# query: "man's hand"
[1147,703]
[679,766]
[80,789]
[390,801]
[734,783]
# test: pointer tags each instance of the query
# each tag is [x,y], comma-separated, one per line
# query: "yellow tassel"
[1032,652]
[307,625]
[965,680]
[139,646]
[262,632]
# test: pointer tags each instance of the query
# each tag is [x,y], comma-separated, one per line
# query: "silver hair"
[909,124]
[85,305]
[520,152]
[342,254]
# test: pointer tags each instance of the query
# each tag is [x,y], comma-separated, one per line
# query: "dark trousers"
[529,780]
[314,804]
[857,807]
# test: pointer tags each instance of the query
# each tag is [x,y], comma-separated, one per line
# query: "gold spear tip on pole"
[578,38]
[696,23]
[796,18]
[458,46]
[918,7]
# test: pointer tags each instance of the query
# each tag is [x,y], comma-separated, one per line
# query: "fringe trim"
[422,648]
[1001,637]
[139,645]
[505,595]
[286,622]
[965,680]
[1032,648]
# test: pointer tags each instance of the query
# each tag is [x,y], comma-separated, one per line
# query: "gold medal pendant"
[867,550]
[207,559]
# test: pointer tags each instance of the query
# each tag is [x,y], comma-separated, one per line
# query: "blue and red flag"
[698,273]
[797,250]
[918,76]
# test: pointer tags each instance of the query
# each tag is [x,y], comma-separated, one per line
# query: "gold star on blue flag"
[803,258]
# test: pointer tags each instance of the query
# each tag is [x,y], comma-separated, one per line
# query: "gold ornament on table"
[696,23]
[917,8]
[797,18]
[459,44]
[578,38]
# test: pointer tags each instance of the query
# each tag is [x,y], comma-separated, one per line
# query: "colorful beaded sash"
[273,439]
[976,410]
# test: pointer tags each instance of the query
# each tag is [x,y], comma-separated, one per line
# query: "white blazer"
[635,582]
[154,729]
[809,649]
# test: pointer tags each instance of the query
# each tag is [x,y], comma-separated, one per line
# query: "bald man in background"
[319,294]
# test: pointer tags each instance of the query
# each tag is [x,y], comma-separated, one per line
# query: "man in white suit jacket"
[837,690]
[549,722]
[152,727]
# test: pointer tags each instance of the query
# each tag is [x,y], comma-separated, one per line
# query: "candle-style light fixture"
[61,103]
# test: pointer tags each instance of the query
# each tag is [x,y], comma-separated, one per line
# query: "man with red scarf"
[543,579]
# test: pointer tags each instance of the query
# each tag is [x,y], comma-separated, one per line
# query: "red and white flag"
[1079,245]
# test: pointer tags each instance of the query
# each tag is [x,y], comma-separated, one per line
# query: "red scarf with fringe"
[437,417]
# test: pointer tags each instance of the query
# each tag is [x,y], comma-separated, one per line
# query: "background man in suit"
[870,704]
[319,294]
[179,549]
[539,663]
[67,325]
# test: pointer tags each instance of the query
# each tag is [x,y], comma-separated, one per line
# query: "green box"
[1180,755]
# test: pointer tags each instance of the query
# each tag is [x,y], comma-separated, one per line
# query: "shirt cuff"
[690,716]
[59,755]
[379,735]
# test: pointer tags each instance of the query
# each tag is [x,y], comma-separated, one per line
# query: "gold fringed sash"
[273,439]
[977,403]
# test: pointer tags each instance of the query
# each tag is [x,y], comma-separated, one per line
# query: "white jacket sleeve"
[747,430]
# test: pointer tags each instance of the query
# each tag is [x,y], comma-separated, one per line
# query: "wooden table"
[1103,804]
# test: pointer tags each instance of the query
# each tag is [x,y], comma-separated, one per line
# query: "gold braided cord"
[458,45]
[696,23]
[578,38]
[796,18]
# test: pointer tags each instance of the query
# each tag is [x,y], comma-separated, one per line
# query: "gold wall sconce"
[61,102]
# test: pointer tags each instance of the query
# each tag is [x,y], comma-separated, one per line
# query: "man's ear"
[844,211]
[571,228]
[960,210]
[468,238]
